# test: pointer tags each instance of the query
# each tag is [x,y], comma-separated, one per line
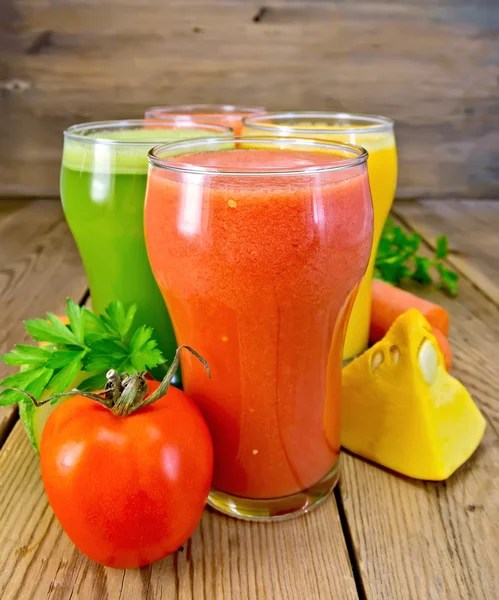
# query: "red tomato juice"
[258,274]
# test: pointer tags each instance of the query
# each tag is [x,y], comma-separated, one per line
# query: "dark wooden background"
[432,65]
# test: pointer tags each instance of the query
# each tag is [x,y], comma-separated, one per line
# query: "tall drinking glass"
[376,135]
[258,252]
[217,114]
[103,184]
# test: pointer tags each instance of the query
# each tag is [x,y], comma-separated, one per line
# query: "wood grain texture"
[8,416]
[432,65]
[224,560]
[438,541]
[39,268]
[473,232]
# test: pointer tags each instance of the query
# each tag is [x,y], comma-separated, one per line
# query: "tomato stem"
[74,392]
[165,384]
[125,393]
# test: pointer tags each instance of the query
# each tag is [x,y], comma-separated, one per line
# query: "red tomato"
[127,490]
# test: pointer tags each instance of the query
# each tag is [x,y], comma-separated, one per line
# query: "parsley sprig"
[88,343]
[398,259]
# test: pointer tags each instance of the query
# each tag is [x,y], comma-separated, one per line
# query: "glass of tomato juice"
[258,247]
[373,132]
[217,114]
[103,184]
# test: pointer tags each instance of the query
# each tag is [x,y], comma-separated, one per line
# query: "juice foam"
[96,152]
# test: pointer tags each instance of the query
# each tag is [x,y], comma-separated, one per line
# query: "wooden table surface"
[380,536]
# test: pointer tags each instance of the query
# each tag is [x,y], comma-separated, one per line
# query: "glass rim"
[360,156]
[367,123]
[75,132]
[186,111]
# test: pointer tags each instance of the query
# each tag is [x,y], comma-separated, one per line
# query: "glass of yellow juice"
[376,135]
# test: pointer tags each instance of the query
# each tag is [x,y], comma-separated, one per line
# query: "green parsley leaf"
[118,318]
[90,343]
[51,330]
[75,317]
[61,358]
[422,268]
[398,258]
[93,383]
[410,243]
[94,326]
[448,279]
[23,378]
[393,270]
[104,354]
[441,247]
[33,381]
[26,355]
[144,352]
[65,376]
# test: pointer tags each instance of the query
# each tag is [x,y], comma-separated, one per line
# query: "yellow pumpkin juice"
[373,133]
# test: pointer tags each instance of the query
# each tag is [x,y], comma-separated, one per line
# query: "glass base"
[276,509]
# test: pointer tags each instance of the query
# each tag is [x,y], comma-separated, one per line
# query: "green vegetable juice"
[103,184]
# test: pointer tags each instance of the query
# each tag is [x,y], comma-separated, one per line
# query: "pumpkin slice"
[403,410]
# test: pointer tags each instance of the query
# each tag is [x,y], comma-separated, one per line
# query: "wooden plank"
[225,559]
[437,540]
[8,417]
[432,65]
[472,229]
[39,268]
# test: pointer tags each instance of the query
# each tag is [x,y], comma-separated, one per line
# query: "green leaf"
[104,354]
[140,338]
[93,383]
[394,273]
[9,397]
[398,258]
[422,268]
[26,355]
[62,380]
[90,343]
[53,331]
[62,330]
[448,279]
[144,352]
[406,242]
[32,380]
[37,387]
[391,260]
[94,326]
[75,316]
[442,247]
[119,319]
[61,358]
[22,379]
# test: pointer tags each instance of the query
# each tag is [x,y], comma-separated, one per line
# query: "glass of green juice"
[103,185]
